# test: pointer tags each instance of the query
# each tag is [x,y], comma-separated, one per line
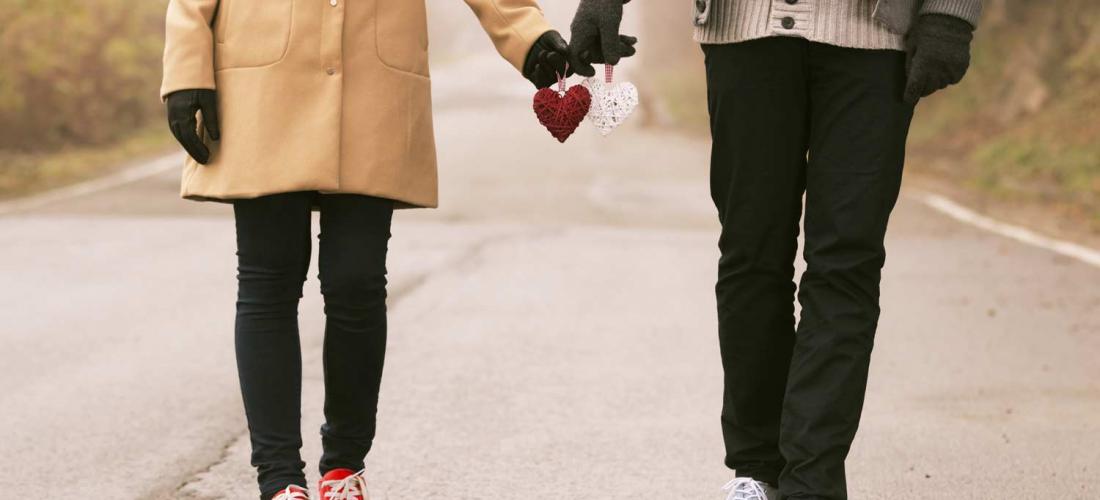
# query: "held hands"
[182,107]
[596,38]
[938,54]
[547,60]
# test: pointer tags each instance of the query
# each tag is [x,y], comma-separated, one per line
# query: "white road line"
[1028,237]
[130,175]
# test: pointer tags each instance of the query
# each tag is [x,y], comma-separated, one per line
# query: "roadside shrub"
[77,72]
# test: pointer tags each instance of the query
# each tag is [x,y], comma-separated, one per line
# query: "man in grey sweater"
[808,98]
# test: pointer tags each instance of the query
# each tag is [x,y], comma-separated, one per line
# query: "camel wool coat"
[321,95]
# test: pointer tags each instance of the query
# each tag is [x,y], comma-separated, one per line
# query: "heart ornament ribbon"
[561,111]
[612,103]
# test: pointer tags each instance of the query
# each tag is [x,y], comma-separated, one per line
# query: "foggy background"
[553,326]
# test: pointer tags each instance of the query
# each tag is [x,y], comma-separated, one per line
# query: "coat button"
[330,71]
[332,3]
[792,2]
[788,22]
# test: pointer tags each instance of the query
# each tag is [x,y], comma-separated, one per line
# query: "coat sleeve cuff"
[527,33]
[202,81]
[188,46]
[967,10]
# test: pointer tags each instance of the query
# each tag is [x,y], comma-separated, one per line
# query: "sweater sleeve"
[967,10]
[189,46]
[513,25]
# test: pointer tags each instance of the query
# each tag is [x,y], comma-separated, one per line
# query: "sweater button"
[788,22]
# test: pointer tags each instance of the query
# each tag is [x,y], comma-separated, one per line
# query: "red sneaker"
[343,484]
[292,493]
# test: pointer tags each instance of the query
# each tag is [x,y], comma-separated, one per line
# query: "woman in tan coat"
[291,105]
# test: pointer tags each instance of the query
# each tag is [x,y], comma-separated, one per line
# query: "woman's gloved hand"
[547,60]
[182,107]
[938,54]
[595,36]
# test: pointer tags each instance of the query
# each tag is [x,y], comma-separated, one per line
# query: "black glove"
[182,107]
[938,54]
[596,37]
[547,60]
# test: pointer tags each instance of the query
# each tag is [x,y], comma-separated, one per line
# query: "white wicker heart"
[612,103]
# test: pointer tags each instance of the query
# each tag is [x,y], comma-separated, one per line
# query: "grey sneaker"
[745,488]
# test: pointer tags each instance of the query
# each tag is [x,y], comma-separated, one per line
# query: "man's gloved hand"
[182,107]
[547,60]
[938,54]
[595,36]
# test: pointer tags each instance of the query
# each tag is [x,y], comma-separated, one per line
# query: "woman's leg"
[273,250]
[355,232]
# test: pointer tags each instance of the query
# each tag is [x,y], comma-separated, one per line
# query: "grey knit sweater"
[865,24]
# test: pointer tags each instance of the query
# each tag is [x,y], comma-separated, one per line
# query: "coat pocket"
[401,30]
[251,33]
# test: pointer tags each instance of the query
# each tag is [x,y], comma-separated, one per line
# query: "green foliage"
[22,173]
[1057,172]
[77,72]
[1025,121]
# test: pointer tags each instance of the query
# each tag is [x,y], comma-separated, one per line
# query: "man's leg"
[758,106]
[858,128]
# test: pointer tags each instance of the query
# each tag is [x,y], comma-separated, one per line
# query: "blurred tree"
[77,72]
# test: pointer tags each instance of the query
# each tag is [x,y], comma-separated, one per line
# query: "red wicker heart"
[562,112]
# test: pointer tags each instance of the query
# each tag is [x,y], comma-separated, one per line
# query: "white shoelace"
[353,487]
[289,494]
[745,488]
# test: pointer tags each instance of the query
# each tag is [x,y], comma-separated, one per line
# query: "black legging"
[273,249]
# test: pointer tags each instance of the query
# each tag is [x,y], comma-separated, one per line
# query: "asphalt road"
[552,336]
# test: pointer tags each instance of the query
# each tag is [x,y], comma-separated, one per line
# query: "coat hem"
[229,199]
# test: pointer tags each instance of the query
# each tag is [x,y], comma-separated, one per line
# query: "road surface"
[552,336]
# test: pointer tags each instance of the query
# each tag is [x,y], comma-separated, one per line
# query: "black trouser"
[273,248]
[793,397]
